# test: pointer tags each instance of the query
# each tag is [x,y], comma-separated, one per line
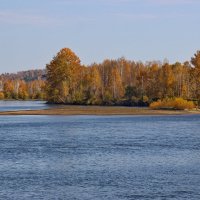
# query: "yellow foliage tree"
[63,75]
[1,96]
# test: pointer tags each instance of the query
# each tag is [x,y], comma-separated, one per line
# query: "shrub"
[1,95]
[177,104]
[155,105]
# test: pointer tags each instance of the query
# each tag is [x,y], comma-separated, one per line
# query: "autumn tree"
[1,96]
[63,75]
[117,87]
[8,89]
[152,86]
[196,72]
[167,82]
[22,91]
[92,86]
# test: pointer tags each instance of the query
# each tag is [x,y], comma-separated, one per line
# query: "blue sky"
[33,31]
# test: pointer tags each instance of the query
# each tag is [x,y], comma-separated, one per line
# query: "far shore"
[99,110]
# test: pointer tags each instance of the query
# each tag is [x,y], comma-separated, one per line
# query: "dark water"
[93,158]
[22,105]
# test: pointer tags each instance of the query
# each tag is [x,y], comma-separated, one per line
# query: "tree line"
[120,82]
[23,85]
[112,82]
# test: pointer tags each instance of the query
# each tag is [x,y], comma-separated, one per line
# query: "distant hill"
[30,75]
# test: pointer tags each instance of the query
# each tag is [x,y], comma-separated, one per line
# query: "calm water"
[95,158]
[22,105]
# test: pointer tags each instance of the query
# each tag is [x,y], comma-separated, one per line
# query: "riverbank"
[98,110]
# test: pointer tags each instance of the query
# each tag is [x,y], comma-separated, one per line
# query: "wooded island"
[112,82]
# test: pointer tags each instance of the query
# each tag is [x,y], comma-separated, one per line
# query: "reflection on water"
[22,105]
[99,157]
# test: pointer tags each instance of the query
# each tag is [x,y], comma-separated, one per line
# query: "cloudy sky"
[33,31]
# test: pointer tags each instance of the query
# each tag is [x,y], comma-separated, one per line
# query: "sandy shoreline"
[98,110]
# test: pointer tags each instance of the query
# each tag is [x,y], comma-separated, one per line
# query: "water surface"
[22,105]
[100,157]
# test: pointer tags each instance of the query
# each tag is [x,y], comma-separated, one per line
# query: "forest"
[112,82]
[121,81]
[23,85]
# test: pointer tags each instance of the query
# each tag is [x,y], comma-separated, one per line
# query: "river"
[10,105]
[100,157]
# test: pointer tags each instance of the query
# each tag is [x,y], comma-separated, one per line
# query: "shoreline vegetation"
[100,110]
[121,82]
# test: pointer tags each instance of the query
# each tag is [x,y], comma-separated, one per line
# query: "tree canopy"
[120,81]
[112,82]
[63,74]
